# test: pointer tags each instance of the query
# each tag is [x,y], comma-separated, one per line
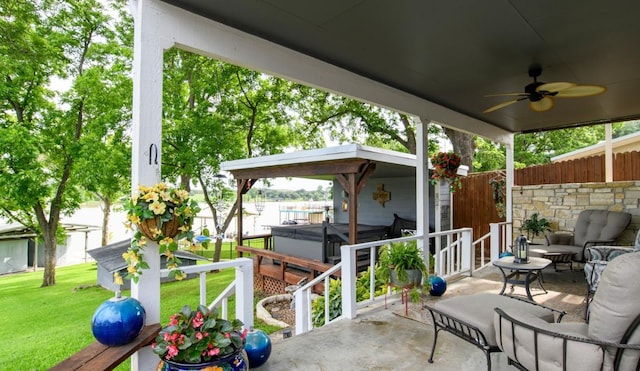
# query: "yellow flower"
[134,219]
[158,208]
[132,269]
[117,278]
[180,275]
[182,194]
[151,196]
[165,196]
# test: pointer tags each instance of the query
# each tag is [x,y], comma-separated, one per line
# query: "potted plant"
[534,226]
[162,214]
[445,167]
[401,264]
[197,339]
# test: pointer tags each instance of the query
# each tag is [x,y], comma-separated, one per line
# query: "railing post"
[302,307]
[203,288]
[468,254]
[495,240]
[244,292]
[348,257]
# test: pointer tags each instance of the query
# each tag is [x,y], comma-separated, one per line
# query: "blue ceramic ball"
[258,347]
[118,321]
[438,285]
[504,254]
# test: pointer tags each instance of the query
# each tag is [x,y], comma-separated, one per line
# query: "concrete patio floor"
[385,339]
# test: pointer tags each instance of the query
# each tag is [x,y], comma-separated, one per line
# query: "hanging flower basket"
[162,214]
[154,228]
[445,167]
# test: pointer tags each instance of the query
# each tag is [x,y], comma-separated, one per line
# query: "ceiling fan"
[540,94]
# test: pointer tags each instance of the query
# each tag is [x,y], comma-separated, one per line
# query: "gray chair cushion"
[477,310]
[580,356]
[615,304]
[599,225]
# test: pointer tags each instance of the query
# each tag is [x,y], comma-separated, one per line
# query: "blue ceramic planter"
[258,347]
[233,362]
[118,321]
[438,285]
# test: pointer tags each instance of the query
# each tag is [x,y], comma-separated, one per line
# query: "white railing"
[241,287]
[454,258]
[498,234]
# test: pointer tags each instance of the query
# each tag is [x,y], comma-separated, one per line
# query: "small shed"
[16,248]
[109,259]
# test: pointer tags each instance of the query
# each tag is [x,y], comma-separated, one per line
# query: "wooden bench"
[98,356]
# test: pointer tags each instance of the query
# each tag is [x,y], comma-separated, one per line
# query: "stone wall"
[561,204]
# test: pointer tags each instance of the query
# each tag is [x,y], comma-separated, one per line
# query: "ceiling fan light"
[581,91]
[542,105]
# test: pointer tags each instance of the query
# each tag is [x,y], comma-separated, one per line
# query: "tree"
[214,112]
[43,134]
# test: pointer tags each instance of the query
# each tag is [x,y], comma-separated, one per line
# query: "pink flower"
[172,351]
[198,321]
[227,335]
[214,352]
[244,334]
[199,335]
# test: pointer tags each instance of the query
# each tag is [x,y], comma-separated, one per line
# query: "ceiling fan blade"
[542,105]
[507,95]
[501,105]
[581,91]
[554,87]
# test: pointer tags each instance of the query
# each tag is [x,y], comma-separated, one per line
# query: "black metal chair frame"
[468,332]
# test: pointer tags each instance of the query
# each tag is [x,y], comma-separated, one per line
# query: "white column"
[608,154]
[422,185]
[509,190]
[146,154]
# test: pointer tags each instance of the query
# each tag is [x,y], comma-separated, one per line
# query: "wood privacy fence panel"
[473,205]
[626,166]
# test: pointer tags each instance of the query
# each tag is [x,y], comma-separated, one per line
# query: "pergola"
[433,60]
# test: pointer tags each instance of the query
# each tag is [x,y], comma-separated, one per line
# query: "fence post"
[348,258]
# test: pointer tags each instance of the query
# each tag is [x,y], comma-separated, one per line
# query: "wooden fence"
[474,204]
[626,166]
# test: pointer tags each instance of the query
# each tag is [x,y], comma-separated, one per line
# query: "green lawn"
[43,325]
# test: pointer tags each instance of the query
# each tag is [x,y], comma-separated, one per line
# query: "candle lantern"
[521,250]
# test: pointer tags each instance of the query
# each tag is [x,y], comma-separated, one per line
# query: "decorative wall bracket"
[381,195]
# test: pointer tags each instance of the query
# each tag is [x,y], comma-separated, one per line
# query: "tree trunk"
[106,213]
[50,251]
[463,144]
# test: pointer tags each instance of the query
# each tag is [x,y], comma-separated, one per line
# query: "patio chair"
[470,317]
[600,257]
[610,341]
[593,227]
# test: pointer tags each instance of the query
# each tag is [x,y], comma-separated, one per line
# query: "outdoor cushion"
[477,310]
[592,227]
[580,356]
[615,304]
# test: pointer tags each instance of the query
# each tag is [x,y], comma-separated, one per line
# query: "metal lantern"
[521,250]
